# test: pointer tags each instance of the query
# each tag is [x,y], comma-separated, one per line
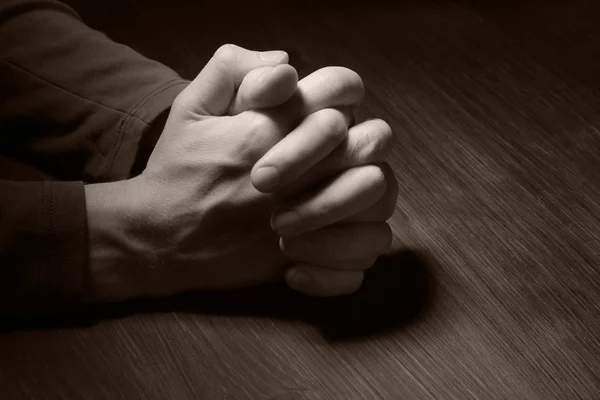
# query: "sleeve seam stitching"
[26,71]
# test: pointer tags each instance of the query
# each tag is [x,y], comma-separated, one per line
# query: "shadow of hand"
[396,291]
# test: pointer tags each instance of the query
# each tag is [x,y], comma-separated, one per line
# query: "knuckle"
[260,122]
[385,208]
[356,82]
[341,80]
[377,178]
[226,51]
[260,76]
[353,81]
[257,137]
[333,124]
[374,142]
[332,83]
[258,127]
[227,55]
[385,135]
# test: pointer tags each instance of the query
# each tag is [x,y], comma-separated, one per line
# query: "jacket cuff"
[45,261]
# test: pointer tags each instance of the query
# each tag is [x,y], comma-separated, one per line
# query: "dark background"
[493,291]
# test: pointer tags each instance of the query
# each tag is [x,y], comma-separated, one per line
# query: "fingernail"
[272,56]
[300,278]
[266,178]
[286,223]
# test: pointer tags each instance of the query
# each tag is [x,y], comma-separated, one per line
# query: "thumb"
[214,88]
[265,87]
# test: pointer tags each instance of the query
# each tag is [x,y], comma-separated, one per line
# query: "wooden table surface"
[493,291]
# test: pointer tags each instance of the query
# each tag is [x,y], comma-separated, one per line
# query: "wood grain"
[496,113]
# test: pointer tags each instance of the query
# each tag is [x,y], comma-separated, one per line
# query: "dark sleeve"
[74,104]
[43,246]
[77,107]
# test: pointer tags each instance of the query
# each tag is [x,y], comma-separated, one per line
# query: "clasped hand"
[257,177]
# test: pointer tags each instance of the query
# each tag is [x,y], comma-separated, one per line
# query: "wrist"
[117,257]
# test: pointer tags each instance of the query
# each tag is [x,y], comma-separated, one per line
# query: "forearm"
[76,103]
[64,244]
